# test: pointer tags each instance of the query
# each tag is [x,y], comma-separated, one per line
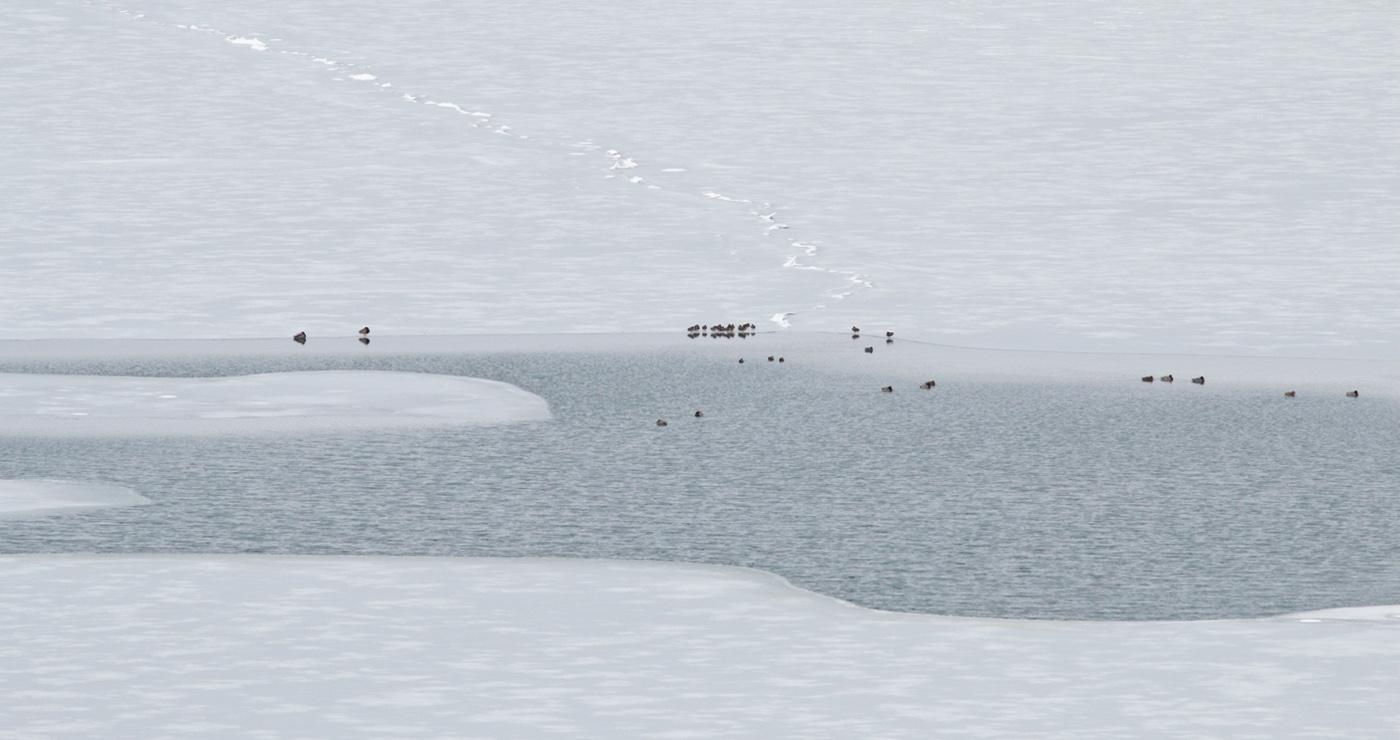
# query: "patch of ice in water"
[103,405]
[27,498]
[365,77]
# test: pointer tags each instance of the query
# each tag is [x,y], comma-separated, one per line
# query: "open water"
[1004,498]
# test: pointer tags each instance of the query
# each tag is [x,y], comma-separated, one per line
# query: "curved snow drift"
[83,405]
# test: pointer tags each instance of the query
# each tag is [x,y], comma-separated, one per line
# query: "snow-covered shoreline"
[910,353]
[233,646]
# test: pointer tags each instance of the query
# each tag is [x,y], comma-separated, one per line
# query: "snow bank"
[94,404]
[147,646]
[26,498]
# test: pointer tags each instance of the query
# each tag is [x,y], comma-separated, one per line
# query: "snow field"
[1179,178]
[149,647]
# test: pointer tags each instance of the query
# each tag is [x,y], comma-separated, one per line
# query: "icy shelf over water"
[235,646]
[26,498]
[282,401]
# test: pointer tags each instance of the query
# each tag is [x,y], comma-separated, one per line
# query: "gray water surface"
[994,498]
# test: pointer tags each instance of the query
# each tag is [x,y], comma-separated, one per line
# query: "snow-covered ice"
[151,646]
[1164,178]
[26,498]
[98,404]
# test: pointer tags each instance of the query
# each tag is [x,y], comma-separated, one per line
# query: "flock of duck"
[1167,379]
[747,329]
[743,331]
[1202,381]
[728,331]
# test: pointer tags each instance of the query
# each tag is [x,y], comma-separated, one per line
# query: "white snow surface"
[113,405]
[1185,178]
[28,498]
[1166,177]
[254,646]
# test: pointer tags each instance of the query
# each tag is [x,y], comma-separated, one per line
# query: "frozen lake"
[1173,178]
[1066,488]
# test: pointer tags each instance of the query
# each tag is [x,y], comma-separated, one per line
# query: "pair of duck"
[662,422]
[924,385]
[1349,394]
[300,337]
